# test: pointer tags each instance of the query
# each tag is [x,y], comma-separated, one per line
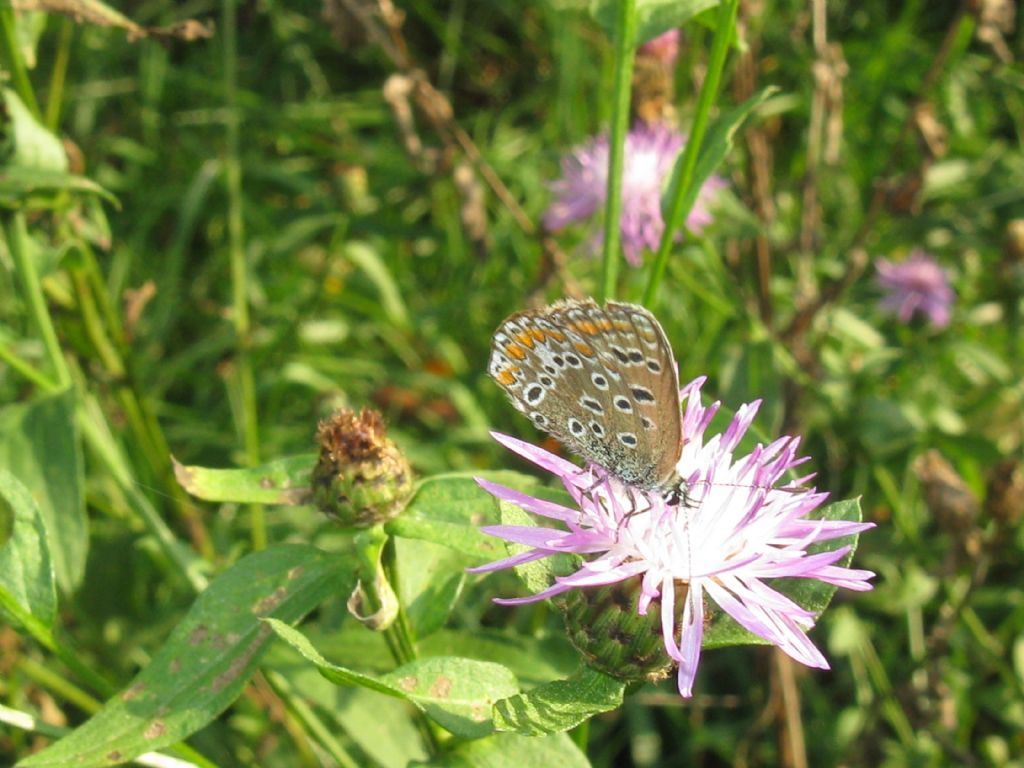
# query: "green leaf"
[557,706]
[368,259]
[283,481]
[34,146]
[533,660]
[19,184]
[26,572]
[456,693]
[717,145]
[39,444]
[811,594]
[449,510]
[506,750]
[652,16]
[206,661]
[430,579]
[537,575]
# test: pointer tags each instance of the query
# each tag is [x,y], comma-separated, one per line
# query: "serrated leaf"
[456,693]
[206,661]
[449,510]
[811,594]
[652,16]
[39,444]
[283,481]
[26,572]
[507,750]
[560,705]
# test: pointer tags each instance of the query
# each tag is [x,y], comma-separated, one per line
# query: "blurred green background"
[375,276]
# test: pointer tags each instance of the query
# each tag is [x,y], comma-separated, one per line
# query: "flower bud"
[603,624]
[362,478]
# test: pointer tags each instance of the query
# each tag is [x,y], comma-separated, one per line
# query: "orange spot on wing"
[506,378]
[514,350]
[538,335]
[584,349]
[525,339]
[557,335]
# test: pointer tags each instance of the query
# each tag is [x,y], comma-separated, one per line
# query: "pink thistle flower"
[917,284]
[664,47]
[736,531]
[650,154]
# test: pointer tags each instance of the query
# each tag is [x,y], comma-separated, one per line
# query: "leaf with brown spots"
[208,658]
[456,693]
[284,481]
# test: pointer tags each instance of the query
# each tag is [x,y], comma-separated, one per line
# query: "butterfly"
[601,380]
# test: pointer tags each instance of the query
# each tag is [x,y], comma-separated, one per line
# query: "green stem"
[625,49]
[307,716]
[55,97]
[239,269]
[104,329]
[682,199]
[10,56]
[56,682]
[97,435]
[20,248]
[41,380]
[43,634]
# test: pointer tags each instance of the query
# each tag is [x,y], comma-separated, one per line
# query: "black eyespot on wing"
[599,381]
[620,354]
[534,394]
[546,381]
[653,365]
[642,394]
[623,404]
[573,361]
[628,439]
[596,428]
[591,405]
[635,356]
[576,427]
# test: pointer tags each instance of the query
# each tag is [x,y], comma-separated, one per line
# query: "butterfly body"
[603,381]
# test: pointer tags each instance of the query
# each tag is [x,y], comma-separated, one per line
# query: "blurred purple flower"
[664,47]
[650,154]
[916,284]
[735,531]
